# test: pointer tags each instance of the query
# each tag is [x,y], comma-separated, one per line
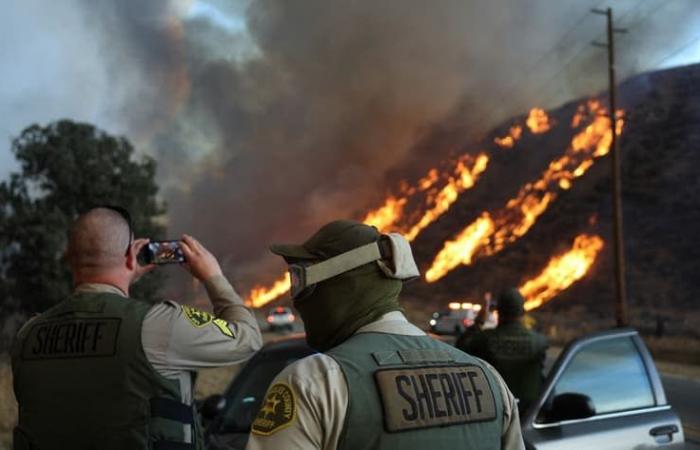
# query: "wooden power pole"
[620,285]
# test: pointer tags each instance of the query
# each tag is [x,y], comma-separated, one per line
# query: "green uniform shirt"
[517,353]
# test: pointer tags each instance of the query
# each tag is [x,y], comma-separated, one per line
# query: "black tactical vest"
[82,381]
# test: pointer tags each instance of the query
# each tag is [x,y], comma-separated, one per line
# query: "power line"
[517,81]
[676,52]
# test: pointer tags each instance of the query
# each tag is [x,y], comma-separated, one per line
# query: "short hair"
[98,240]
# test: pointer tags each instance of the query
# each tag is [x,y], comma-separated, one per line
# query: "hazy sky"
[271,109]
[54,64]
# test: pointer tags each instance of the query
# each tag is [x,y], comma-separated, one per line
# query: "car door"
[603,393]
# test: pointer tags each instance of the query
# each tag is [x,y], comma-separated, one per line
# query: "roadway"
[684,395]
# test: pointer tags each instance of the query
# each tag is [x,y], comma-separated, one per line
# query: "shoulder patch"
[222,325]
[278,410]
[196,317]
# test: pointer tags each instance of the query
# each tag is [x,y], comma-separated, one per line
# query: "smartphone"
[163,252]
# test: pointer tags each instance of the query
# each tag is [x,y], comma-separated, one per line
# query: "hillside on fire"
[529,205]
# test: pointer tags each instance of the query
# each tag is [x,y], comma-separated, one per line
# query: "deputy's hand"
[140,270]
[198,260]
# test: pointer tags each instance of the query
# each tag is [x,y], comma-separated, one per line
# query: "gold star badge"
[278,410]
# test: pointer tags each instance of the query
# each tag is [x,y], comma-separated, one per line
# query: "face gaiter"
[341,305]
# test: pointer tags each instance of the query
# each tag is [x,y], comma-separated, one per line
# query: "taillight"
[270,319]
[290,317]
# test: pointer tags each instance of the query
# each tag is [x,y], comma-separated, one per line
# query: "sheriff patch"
[427,397]
[278,410]
[79,338]
[196,317]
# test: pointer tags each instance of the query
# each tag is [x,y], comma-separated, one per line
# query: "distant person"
[515,351]
[482,317]
[101,370]
[380,382]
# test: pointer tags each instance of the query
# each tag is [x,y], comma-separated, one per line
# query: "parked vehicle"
[455,320]
[280,318]
[603,392]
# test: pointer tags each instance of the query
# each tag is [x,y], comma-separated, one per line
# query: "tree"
[66,168]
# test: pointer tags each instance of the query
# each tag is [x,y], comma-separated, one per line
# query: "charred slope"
[661,156]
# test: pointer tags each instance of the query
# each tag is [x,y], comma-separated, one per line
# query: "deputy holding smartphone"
[103,370]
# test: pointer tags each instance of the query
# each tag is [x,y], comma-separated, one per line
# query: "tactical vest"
[82,381]
[413,392]
[518,355]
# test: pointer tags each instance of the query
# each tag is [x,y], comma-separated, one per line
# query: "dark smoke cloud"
[265,133]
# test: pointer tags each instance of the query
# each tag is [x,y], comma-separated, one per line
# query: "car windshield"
[243,401]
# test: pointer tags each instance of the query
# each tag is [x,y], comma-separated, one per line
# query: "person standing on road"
[517,352]
[101,370]
[380,382]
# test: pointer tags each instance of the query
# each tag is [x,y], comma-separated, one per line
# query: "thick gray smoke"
[272,118]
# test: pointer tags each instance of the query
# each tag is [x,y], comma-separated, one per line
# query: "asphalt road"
[684,395]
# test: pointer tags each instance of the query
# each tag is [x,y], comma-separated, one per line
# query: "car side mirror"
[570,406]
[212,406]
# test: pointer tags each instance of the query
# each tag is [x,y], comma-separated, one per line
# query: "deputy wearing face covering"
[379,381]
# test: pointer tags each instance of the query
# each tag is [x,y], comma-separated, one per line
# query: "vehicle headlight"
[433,322]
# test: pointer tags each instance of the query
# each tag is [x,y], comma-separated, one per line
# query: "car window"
[243,403]
[611,373]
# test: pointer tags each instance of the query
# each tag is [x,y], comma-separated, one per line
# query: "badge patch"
[196,317]
[425,397]
[222,325]
[278,410]
[79,338]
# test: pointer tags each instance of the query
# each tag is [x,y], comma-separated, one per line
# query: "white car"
[455,320]
[280,318]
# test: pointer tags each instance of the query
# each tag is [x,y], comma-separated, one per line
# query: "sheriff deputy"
[379,381]
[101,370]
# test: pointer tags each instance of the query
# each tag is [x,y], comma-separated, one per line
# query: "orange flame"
[386,215]
[464,178]
[521,213]
[260,295]
[509,140]
[538,121]
[389,215]
[562,271]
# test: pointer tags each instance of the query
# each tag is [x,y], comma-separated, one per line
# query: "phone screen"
[165,252]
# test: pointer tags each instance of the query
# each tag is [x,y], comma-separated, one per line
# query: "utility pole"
[621,288]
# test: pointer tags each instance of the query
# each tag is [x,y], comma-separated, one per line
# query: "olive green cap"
[332,239]
[511,303]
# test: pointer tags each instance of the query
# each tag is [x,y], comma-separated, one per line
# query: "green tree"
[66,168]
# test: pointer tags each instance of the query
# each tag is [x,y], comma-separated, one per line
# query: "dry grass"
[8,405]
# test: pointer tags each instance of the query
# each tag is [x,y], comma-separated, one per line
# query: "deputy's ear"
[131,262]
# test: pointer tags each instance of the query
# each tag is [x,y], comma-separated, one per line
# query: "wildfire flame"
[562,271]
[464,178]
[261,295]
[489,234]
[538,121]
[509,140]
[387,215]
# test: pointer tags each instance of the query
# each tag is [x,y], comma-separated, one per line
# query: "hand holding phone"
[163,252]
[199,261]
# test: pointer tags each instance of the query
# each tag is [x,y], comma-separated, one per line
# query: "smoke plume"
[272,117]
